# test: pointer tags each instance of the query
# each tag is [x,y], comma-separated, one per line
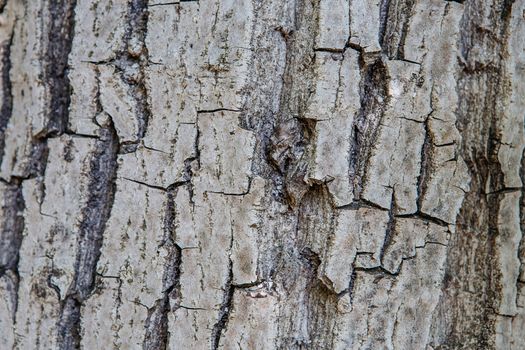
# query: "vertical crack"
[101,190]
[289,145]
[227,302]
[11,235]
[59,43]
[521,249]
[6,110]
[395,15]
[383,20]
[131,63]
[157,334]
[95,214]
[426,165]
[12,225]
[224,312]
[374,99]
[13,205]
[390,229]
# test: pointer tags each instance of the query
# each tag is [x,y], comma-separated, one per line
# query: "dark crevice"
[390,229]
[330,50]
[218,110]
[248,285]
[6,110]
[396,16]
[351,284]
[424,217]
[224,311]
[11,233]
[362,203]
[74,134]
[101,192]
[156,326]
[172,3]
[11,236]
[160,188]
[374,99]
[521,249]
[377,270]
[227,302]
[288,142]
[383,20]
[59,42]
[426,164]
[69,324]
[135,54]
[504,190]
[157,333]
[95,214]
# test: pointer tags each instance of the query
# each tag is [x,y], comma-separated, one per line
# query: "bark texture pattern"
[262,174]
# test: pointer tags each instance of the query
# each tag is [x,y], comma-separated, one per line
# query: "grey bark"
[262,174]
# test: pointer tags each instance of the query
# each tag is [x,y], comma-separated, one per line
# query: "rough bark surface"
[262,174]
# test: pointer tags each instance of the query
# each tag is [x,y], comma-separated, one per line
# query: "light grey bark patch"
[367,21]
[253,319]
[225,160]
[333,106]
[100,30]
[24,147]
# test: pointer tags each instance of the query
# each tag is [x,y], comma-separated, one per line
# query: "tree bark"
[236,174]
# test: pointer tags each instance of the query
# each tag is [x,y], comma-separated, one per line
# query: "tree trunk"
[249,174]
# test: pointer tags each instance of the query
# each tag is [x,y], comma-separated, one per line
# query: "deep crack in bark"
[95,214]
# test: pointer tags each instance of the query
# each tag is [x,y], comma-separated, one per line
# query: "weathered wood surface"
[235,174]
